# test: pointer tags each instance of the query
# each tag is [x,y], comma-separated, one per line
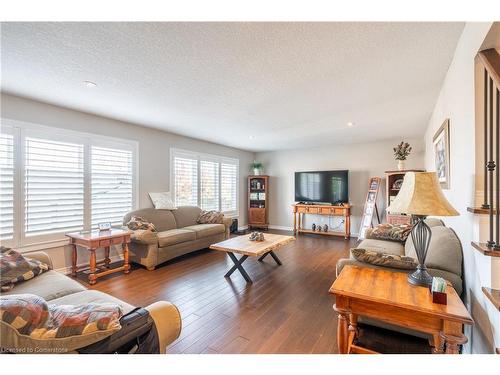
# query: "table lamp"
[421,196]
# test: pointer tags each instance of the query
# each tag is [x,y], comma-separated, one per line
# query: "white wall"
[154,149]
[456,102]
[362,160]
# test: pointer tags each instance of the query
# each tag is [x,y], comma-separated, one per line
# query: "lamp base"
[420,277]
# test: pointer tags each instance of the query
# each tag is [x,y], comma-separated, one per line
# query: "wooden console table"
[313,209]
[92,240]
[387,296]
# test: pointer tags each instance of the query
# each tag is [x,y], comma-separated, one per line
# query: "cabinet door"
[257,215]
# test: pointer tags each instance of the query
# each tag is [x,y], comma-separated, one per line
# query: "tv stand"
[301,209]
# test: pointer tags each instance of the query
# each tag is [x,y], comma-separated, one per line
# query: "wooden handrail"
[490,59]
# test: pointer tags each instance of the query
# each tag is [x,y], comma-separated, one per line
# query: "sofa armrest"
[227,221]
[145,237]
[167,321]
[41,256]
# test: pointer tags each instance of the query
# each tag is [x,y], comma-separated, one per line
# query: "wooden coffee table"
[387,296]
[92,240]
[242,245]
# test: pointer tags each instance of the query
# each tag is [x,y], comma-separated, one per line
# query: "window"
[207,181]
[54,181]
[6,186]
[53,194]
[112,185]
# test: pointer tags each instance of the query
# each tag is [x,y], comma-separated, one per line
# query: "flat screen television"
[322,187]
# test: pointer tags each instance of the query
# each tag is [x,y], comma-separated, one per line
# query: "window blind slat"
[209,183]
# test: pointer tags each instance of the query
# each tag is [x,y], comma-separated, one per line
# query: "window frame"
[212,158]
[20,130]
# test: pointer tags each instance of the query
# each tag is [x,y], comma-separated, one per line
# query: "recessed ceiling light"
[350,124]
[89,84]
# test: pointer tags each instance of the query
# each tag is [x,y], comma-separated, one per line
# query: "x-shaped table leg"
[238,266]
[275,257]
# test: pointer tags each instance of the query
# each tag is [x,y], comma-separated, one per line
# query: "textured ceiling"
[255,86]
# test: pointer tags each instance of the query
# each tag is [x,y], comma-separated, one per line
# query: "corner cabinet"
[258,202]
[393,181]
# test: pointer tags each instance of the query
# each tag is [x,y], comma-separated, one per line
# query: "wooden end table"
[387,296]
[242,245]
[92,240]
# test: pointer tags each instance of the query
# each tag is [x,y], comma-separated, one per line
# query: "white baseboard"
[245,227]
[67,270]
[280,227]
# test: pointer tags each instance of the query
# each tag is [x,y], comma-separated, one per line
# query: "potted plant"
[257,167]
[401,152]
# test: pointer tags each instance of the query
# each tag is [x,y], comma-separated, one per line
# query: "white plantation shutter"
[111,184]
[54,186]
[209,182]
[228,187]
[186,181]
[6,186]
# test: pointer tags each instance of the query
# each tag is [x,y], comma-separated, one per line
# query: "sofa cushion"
[162,219]
[206,230]
[445,250]
[49,285]
[381,246]
[175,236]
[15,268]
[384,259]
[139,223]
[186,215]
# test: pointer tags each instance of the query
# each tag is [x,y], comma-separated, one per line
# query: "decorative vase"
[256,171]
[313,227]
[401,165]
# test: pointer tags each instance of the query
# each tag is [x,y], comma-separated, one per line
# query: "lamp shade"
[421,195]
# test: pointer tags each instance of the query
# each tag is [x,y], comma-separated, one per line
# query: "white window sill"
[42,245]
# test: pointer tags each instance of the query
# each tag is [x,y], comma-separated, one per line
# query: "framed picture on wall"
[441,142]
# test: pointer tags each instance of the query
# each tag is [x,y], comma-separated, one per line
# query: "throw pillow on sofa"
[137,222]
[162,201]
[384,260]
[15,268]
[210,217]
[29,323]
[389,232]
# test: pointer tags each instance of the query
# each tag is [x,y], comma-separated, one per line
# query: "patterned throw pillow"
[27,321]
[14,268]
[210,217]
[384,260]
[390,232]
[137,222]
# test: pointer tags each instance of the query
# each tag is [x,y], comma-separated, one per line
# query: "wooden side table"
[95,239]
[387,296]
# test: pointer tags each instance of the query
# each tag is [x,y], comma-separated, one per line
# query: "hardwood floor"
[287,309]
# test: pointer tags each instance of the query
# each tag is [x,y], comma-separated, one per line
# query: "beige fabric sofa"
[444,259]
[177,234]
[59,289]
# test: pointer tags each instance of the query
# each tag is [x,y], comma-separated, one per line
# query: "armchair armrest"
[41,256]
[167,321]
[145,237]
